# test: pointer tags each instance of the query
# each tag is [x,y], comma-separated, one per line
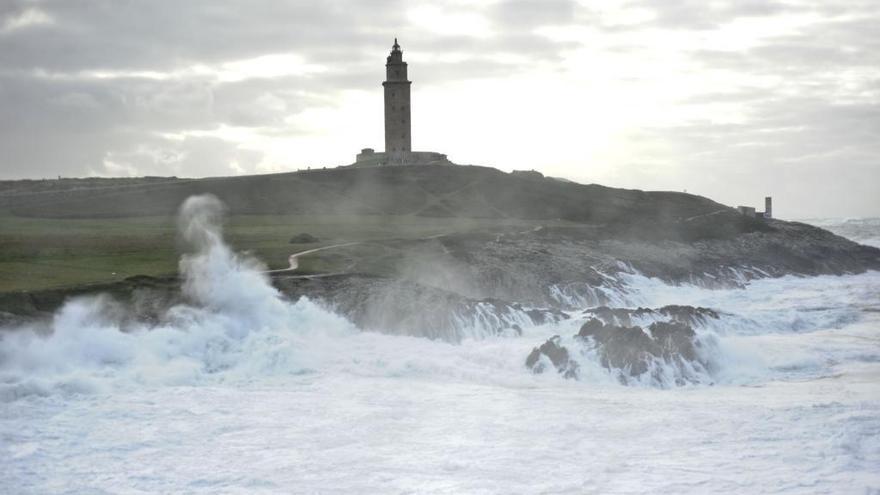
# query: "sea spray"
[295,400]
[234,327]
[219,280]
[234,324]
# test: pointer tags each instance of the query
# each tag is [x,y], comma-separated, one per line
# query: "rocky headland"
[574,260]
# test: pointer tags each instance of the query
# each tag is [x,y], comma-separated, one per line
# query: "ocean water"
[862,230]
[242,391]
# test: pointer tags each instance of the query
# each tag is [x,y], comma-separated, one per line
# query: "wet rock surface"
[662,352]
[688,315]
[634,349]
[587,265]
[144,298]
[408,308]
[558,356]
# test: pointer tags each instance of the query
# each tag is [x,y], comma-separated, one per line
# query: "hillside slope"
[537,241]
[426,191]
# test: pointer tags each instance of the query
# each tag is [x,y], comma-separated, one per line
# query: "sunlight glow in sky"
[731,100]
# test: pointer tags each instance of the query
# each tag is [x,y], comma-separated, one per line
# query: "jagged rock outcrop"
[556,354]
[581,266]
[688,315]
[635,350]
[407,308]
[663,352]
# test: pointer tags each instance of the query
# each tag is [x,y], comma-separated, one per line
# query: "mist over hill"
[452,236]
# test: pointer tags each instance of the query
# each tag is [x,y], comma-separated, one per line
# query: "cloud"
[24,19]
[525,14]
[729,97]
[187,157]
[697,14]
[166,34]
[818,159]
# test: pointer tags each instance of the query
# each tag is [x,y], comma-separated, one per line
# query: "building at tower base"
[369,158]
[750,211]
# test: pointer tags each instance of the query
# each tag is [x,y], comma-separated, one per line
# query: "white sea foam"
[242,391]
[237,324]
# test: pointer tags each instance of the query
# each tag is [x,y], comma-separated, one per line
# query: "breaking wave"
[237,389]
[234,324]
[235,327]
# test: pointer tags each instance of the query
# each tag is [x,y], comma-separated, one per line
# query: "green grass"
[42,253]
[39,253]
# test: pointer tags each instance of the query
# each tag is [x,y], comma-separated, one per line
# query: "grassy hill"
[430,191]
[73,231]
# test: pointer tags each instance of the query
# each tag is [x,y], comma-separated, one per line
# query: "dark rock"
[675,341]
[527,174]
[614,316]
[591,328]
[689,315]
[628,349]
[303,238]
[395,306]
[542,316]
[633,351]
[146,298]
[557,354]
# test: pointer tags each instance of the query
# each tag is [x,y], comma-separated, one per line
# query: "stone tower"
[397,123]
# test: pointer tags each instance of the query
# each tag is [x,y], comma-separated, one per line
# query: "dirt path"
[294,263]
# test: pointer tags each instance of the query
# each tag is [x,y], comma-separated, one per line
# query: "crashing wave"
[233,322]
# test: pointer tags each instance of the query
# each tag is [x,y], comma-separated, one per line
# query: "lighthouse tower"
[397,123]
[398,144]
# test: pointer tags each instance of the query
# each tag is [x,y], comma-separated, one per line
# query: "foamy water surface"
[244,392]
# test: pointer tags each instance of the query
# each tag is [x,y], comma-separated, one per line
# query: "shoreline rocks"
[663,352]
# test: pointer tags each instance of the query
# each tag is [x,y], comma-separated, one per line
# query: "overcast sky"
[732,99]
